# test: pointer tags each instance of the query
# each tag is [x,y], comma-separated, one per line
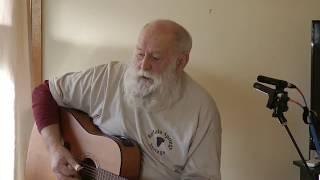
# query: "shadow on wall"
[61,56]
[246,123]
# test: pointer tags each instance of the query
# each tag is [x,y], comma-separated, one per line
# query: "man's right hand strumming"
[62,162]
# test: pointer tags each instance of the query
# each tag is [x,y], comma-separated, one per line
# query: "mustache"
[145,74]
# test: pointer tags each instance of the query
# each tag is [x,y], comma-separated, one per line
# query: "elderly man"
[149,98]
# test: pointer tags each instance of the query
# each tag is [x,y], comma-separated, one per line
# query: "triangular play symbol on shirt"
[159,141]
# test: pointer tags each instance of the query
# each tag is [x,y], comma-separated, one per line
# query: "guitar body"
[103,157]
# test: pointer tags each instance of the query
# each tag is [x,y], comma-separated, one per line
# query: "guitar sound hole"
[89,170]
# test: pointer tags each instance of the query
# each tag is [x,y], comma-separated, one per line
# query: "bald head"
[178,33]
[162,44]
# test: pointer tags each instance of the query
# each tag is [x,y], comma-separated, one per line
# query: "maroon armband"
[45,108]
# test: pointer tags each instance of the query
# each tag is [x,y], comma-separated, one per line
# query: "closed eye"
[140,55]
[156,58]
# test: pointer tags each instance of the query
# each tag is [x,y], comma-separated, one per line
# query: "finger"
[74,164]
[67,171]
[77,167]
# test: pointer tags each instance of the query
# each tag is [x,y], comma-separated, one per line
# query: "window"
[7,94]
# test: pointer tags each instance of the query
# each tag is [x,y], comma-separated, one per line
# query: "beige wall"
[234,41]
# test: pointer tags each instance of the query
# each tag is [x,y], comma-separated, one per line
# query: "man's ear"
[182,61]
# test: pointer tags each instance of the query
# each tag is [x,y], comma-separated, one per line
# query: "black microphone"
[263,88]
[276,82]
[269,91]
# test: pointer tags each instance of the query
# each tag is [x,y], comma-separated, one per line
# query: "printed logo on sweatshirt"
[160,142]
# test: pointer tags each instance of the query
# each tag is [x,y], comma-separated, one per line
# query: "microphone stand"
[278,101]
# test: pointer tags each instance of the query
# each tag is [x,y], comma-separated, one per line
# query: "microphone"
[276,82]
[269,91]
[263,88]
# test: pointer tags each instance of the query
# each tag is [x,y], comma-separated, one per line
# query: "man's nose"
[146,63]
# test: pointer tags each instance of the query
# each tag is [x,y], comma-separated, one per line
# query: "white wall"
[234,41]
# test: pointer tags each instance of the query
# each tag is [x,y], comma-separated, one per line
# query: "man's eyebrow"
[153,52]
[157,53]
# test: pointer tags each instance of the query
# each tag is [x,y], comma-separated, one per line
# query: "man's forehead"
[155,42]
[155,39]
[156,35]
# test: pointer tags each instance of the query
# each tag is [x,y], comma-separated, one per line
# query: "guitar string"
[111,175]
[108,175]
[104,174]
[88,168]
[92,171]
[88,173]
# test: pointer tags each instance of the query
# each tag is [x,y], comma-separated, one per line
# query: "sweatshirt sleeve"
[205,152]
[44,107]
[85,90]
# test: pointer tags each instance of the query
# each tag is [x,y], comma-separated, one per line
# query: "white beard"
[154,90]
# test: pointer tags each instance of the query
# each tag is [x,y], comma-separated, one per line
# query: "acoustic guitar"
[102,157]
